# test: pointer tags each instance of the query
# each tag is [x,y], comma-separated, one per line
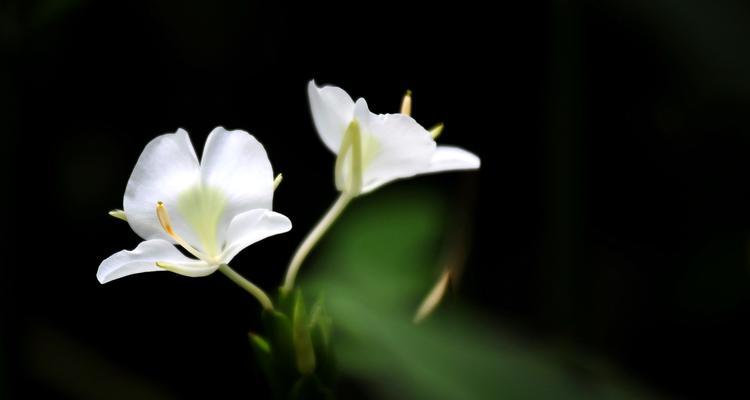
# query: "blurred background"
[606,234]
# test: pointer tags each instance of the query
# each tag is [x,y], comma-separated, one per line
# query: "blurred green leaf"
[376,265]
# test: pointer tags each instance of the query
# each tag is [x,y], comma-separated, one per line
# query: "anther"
[277,181]
[163,216]
[436,130]
[406,103]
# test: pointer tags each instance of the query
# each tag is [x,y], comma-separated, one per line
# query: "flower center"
[202,207]
[370,148]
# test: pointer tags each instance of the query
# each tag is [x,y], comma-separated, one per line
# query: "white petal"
[362,112]
[167,166]
[237,164]
[397,147]
[332,111]
[449,158]
[143,259]
[253,226]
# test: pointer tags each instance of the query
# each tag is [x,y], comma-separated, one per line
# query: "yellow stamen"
[166,223]
[406,103]
[436,130]
[277,181]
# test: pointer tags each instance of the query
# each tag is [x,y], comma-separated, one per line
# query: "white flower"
[374,149]
[371,150]
[216,207]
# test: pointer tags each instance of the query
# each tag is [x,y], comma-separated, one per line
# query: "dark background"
[612,204]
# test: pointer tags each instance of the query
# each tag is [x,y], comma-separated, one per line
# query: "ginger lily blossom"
[212,209]
[371,151]
[375,149]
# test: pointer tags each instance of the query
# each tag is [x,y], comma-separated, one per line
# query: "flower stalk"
[312,239]
[257,292]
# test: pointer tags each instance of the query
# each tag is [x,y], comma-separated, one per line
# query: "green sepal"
[264,356]
[325,368]
[320,333]
[260,345]
[295,349]
[119,214]
[320,319]
[278,330]
[305,354]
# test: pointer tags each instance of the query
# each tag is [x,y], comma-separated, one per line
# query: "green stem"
[257,292]
[312,239]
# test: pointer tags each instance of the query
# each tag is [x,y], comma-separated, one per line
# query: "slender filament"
[166,224]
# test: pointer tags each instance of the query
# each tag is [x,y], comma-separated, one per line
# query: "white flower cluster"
[215,207]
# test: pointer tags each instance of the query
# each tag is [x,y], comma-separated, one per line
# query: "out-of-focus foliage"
[293,350]
[378,262]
